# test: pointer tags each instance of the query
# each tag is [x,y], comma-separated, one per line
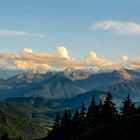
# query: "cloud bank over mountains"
[29,60]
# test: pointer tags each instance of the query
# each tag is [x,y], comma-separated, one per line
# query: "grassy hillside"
[38,112]
[24,119]
[123,129]
[47,106]
[16,127]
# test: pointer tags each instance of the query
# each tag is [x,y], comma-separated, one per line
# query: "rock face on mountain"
[77,74]
[57,87]
[108,78]
[30,77]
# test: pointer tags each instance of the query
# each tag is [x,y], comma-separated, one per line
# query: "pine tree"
[128,107]
[76,123]
[62,127]
[19,138]
[76,117]
[83,112]
[69,117]
[82,118]
[57,123]
[92,114]
[66,118]
[108,109]
[100,103]
[66,126]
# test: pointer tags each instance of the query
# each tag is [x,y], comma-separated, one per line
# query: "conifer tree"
[76,123]
[19,138]
[82,118]
[61,127]
[57,123]
[66,119]
[109,111]
[128,107]
[69,116]
[76,117]
[66,126]
[92,114]
[100,104]
[83,112]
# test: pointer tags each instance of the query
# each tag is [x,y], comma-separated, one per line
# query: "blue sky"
[41,25]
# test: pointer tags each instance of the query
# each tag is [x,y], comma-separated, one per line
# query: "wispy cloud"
[117,27]
[6,33]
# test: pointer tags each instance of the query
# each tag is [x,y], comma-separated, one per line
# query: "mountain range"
[35,99]
[59,85]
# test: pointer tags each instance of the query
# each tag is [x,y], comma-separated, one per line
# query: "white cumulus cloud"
[100,61]
[27,50]
[131,62]
[62,52]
